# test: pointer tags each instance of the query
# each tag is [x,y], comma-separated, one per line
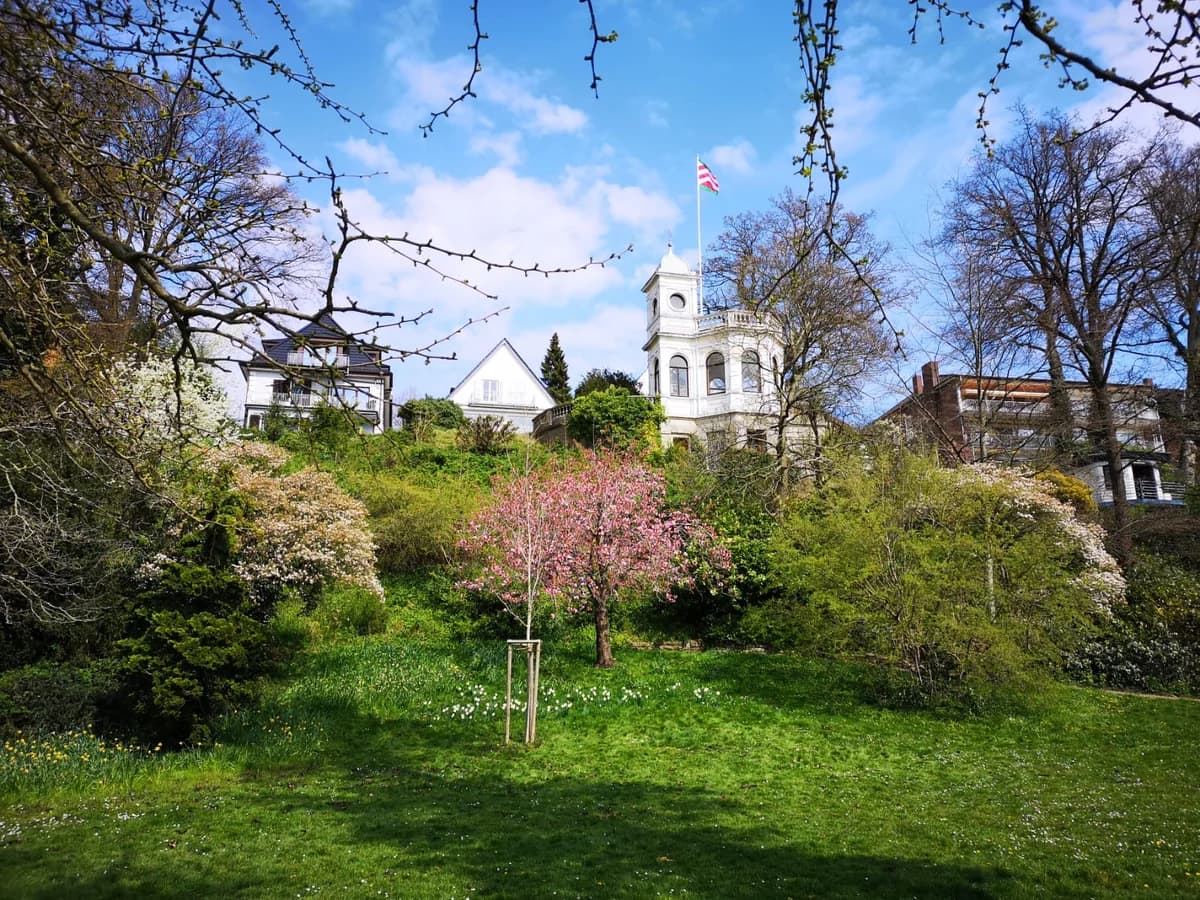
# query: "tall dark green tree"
[554,371]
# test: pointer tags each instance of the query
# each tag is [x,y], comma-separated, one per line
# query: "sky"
[537,169]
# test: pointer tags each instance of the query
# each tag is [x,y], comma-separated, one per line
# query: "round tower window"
[677,301]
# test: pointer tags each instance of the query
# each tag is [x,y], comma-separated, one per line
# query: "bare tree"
[781,264]
[1064,215]
[980,334]
[1173,195]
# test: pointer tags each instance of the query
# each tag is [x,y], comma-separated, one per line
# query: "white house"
[503,385]
[322,363]
[711,371]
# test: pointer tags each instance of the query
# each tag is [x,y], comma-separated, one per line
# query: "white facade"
[1142,478]
[265,387]
[503,385]
[321,364]
[712,372]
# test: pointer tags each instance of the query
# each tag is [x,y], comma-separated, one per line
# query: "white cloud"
[609,337]
[374,156]
[656,113]
[736,157]
[506,147]
[428,86]
[856,108]
[541,114]
[412,24]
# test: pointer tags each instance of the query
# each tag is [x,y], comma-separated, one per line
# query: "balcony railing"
[295,398]
[317,360]
[730,317]
[1145,489]
[1175,488]
[305,400]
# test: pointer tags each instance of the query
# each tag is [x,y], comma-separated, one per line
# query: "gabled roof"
[323,332]
[504,345]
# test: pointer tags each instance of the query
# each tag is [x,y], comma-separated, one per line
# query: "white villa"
[711,371]
[322,363]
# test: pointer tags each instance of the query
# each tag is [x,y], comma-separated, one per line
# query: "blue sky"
[537,169]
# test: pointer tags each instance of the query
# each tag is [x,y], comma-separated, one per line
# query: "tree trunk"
[1062,417]
[604,657]
[1190,437]
[1104,432]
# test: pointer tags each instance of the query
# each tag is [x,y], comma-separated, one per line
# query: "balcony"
[295,398]
[311,360]
[730,318]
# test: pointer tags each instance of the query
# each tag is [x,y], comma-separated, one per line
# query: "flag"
[706,178]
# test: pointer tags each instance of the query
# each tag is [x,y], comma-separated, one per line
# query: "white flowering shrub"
[156,405]
[299,530]
[1018,497]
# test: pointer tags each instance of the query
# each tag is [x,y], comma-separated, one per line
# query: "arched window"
[679,376]
[751,373]
[655,384]
[715,366]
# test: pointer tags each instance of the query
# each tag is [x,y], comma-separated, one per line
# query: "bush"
[1153,644]
[49,697]
[438,412]
[617,418]
[1069,489]
[416,526]
[969,577]
[194,652]
[349,610]
[486,434]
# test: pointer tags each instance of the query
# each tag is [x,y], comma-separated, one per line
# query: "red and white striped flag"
[706,178]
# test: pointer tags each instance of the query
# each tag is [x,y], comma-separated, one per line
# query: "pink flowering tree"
[583,533]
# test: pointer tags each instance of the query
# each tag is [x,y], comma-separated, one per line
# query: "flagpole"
[699,242]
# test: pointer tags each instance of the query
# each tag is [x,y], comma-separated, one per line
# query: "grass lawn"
[377,770]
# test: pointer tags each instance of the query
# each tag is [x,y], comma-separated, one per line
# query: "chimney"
[916,385]
[929,374]
[1148,382]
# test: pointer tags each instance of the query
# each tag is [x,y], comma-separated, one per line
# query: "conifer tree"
[554,372]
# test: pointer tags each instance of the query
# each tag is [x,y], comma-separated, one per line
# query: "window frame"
[714,373]
[679,384]
[751,358]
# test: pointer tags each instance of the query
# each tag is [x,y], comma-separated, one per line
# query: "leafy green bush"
[439,412]
[486,434]
[969,578]
[416,525]
[48,697]
[1069,489]
[1153,644]
[194,651]
[615,417]
[349,610]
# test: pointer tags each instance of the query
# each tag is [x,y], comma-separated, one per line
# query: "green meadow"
[376,767]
